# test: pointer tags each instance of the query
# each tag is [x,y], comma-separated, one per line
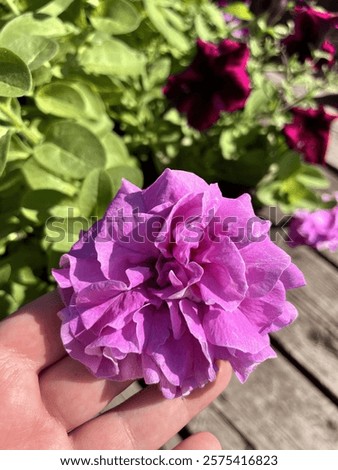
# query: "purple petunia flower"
[311,28]
[215,81]
[173,278]
[329,62]
[309,133]
[318,229]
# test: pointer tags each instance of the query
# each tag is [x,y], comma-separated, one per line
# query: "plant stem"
[20,126]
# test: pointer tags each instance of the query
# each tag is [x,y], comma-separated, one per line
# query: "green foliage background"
[81,106]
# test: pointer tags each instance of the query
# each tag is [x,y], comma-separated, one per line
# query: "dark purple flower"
[222,3]
[172,279]
[215,81]
[311,28]
[318,229]
[329,62]
[309,133]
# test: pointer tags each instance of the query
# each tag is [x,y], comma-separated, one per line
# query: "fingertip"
[208,393]
[224,373]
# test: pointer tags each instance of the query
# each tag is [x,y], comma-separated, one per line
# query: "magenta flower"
[172,279]
[329,62]
[311,28]
[309,133]
[222,3]
[318,229]
[215,81]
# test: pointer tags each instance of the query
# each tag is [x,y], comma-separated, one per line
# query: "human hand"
[49,401]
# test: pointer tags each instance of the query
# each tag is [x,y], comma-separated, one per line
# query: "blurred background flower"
[309,133]
[310,31]
[216,81]
[318,229]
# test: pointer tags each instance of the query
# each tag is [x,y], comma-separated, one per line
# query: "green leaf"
[215,16]
[288,165]
[55,7]
[298,195]
[159,72]
[96,193]
[267,194]
[38,178]
[63,232]
[70,151]
[202,28]
[11,183]
[5,273]
[34,25]
[7,304]
[312,177]
[33,50]
[258,102]
[134,175]
[18,150]
[42,75]
[116,151]
[100,186]
[112,57]
[240,11]
[115,17]
[228,145]
[72,100]
[160,20]
[38,205]
[15,77]
[4,147]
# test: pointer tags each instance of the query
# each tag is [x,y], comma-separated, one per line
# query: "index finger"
[33,331]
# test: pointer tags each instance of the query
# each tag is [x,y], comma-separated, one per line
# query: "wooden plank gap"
[304,371]
[331,258]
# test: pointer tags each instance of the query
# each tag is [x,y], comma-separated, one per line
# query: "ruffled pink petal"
[265,263]
[233,330]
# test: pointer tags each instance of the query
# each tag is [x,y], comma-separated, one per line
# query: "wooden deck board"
[333,178]
[123,396]
[278,408]
[172,442]
[213,421]
[332,150]
[313,339]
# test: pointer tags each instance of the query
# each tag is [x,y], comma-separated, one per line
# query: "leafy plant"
[82,105]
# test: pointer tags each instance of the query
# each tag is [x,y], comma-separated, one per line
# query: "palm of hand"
[49,401]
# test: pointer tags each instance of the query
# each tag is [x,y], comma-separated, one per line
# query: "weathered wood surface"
[278,408]
[313,339]
[125,395]
[332,150]
[172,442]
[212,419]
[333,178]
